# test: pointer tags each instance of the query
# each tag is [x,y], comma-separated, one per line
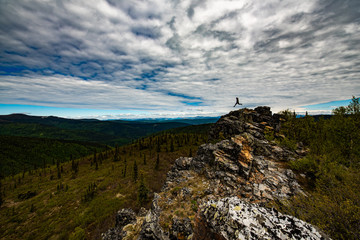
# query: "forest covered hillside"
[29,142]
[57,201]
[21,154]
[111,132]
[305,168]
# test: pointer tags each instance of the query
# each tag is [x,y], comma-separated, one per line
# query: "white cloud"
[170,54]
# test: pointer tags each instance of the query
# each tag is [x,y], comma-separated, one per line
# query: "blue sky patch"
[327,106]
[192,103]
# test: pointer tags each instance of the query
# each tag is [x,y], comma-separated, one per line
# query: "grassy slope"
[55,213]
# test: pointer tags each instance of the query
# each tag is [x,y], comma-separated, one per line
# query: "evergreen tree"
[95,161]
[101,157]
[94,158]
[172,145]
[74,167]
[58,169]
[144,159]
[32,208]
[157,162]
[1,195]
[116,155]
[125,165]
[158,146]
[135,173]
[142,191]
[72,164]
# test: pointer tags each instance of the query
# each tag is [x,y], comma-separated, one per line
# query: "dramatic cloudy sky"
[134,58]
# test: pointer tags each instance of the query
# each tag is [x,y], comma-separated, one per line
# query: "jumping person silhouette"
[237,102]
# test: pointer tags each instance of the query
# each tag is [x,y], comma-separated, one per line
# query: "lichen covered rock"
[233,218]
[123,217]
[151,229]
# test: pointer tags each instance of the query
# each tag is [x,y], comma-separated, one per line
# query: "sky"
[111,59]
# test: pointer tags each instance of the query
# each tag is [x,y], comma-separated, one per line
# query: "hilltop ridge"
[112,133]
[221,193]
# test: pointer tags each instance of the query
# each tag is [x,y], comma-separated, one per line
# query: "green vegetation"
[332,170]
[142,191]
[37,130]
[106,132]
[203,129]
[19,154]
[78,199]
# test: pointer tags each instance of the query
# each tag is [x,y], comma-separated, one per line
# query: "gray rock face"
[243,163]
[123,217]
[232,218]
[151,229]
[235,122]
[181,229]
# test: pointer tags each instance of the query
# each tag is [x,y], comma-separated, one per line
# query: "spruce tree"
[94,158]
[172,145]
[157,162]
[58,169]
[158,149]
[116,155]
[72,164]
[125,164]
[101,157]
[95,161]
[1,195]
[142,191]
[135,175]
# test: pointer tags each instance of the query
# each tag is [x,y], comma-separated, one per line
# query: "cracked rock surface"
[233,218]
[220,193]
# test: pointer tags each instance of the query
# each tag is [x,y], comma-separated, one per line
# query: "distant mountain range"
[110,132]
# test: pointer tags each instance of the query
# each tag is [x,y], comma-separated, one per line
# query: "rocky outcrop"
[245,164]
[236,122]
[238,169]
[233,218]
[151,229]
[123,217]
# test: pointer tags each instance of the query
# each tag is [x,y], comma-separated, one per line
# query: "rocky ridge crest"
[220,193]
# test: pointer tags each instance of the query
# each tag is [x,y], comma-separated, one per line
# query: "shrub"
[78,234]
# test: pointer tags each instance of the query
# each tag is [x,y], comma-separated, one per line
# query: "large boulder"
[232,218]
[123,217]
